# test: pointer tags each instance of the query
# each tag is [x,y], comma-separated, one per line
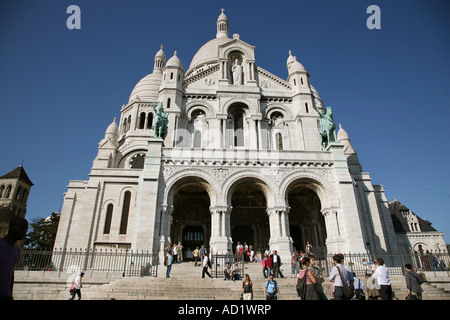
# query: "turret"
[160,60]
[107,147]
[350,153]
[298,76]
[222,26]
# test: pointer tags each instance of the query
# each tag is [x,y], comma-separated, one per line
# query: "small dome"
[293,65]
[222,16]
[112,128]
[316,94]
[160,54]
[342,134]
[343,138]
[147,88]
[174,62]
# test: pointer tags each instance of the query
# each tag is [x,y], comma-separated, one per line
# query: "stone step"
[180,286]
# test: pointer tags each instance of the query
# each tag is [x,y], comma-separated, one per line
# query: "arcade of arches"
[247,217]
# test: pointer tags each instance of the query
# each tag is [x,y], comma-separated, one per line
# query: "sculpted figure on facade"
[237,72]
[327,127]
[160,121]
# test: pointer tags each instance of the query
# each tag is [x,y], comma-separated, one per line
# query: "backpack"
[301,286]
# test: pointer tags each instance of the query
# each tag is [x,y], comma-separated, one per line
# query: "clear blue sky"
[60,88]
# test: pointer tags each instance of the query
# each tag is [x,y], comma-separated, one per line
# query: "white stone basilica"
[241,161]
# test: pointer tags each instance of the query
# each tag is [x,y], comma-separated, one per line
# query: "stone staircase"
[185,283]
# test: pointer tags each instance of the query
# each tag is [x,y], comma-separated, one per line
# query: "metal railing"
[226,262]
[127,262]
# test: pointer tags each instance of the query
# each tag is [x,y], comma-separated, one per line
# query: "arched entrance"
[191,218]
[249,222]
[306,222]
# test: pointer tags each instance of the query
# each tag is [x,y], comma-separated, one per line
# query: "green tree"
[43,233]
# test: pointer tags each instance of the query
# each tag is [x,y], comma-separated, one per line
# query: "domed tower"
[222,25]
[107,147]
[171,90]
[298,76]
[137,115]
[160,60]
[350,153]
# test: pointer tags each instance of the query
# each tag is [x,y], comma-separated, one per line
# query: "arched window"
[238,119]
[2,188]
[197,139]
[279,141]
[125,213]
[18,191]
[168,103]
[108,219]
[149,120]
[198,128]
[142,120]
[8,191]
[306,107]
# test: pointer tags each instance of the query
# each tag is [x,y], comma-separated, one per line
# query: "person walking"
[264,266]
[310,293]
[196,254]
[271,289]
[359,287]
[382,276]
[413,283]
[180,252]
[340,278]
[169,264]
[9,255]
[247,288]
[293,265]
[175,250]
[319,278]
[76,286]
[205,265]
[276,263]
[269,265]
[202,252]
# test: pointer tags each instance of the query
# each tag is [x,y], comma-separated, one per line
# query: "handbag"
[301,286]
[348,291]
[72,287]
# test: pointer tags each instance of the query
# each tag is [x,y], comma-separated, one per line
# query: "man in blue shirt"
[169,264]
[271,289]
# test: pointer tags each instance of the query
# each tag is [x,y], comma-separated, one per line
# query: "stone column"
[253,134]
[220,239]
[279,234]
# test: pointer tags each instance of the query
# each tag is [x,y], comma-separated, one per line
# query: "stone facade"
[241,161]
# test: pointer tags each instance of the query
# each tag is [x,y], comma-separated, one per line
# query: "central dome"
[208,53]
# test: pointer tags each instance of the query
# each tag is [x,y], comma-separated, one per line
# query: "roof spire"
[222,25]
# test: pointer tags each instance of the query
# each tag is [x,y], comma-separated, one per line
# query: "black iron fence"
[144,263]
[127,262]
[224,265]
